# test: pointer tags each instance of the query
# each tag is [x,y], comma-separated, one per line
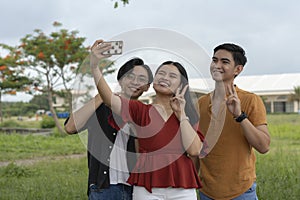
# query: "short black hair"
[238,53]
[130,64]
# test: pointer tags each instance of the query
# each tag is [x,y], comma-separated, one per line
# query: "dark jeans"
[114,192]
[248,195]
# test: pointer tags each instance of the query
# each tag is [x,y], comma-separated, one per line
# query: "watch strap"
[241,117]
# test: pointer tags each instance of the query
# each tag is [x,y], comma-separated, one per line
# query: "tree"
[12,77]
[84,73]
[41,100]
[296,96]
[54,58]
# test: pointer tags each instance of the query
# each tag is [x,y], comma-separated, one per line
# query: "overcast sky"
[267,29]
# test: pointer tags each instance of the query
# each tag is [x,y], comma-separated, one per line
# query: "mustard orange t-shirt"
[229,169]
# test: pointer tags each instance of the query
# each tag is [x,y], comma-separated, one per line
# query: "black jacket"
[101,138]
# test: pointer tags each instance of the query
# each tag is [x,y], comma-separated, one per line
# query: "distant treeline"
[38,102]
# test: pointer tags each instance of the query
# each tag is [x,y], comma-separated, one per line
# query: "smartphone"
[116,48]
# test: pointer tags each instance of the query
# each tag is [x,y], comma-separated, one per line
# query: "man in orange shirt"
[227,168]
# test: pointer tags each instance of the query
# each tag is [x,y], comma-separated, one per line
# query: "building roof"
[270,84]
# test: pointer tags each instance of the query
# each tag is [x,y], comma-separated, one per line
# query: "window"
[279,107]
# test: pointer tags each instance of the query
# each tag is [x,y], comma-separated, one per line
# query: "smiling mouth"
[217,72]
[163,84]
[134,89]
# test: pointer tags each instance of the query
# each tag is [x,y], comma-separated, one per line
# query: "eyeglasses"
[140,78]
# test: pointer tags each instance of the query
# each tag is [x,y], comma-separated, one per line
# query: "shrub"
[47,122]
[56,133]
[10,123]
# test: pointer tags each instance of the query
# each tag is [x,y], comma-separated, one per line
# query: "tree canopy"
[55,58]
[296,96]
[124,2]
[12,75]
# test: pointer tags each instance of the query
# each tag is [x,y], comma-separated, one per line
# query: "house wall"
[279,104]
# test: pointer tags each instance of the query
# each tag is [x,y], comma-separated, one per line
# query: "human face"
[167,79]
[222,67]
[135,82]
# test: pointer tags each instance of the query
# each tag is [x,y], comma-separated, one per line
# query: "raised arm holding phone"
[110,148]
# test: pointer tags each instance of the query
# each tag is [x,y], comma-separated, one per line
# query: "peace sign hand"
[232,101]
[178,103]
[97,50]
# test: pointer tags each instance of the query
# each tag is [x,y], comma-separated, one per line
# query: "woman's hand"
[178,103]
[97,50]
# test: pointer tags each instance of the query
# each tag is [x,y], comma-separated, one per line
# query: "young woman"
[166,132]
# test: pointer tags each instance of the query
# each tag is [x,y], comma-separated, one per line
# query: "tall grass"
[65,179]
[278,171]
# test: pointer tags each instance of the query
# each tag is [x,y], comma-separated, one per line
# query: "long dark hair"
[189,109]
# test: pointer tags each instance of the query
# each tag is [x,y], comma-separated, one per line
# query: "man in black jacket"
[110,148]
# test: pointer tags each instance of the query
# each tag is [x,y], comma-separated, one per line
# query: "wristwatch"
[241,117]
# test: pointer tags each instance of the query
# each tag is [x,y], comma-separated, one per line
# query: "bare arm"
[104,90]
[258,136]
[190,138]
[79,118]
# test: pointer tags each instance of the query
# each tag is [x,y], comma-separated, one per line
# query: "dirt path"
[46,158]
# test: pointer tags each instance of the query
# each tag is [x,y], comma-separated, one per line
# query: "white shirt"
[118,171]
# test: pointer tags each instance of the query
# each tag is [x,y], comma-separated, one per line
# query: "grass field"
[15,146]
[65,179]
[278,171]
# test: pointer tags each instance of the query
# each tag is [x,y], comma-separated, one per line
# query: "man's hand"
[232,101]
[97,52]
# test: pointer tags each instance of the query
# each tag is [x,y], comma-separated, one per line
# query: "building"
[274,89]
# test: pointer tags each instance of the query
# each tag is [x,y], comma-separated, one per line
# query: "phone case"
[116,48]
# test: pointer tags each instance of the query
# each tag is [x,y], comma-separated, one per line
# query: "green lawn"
[48,179]
[65,179]
[15,146]
[278,171]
